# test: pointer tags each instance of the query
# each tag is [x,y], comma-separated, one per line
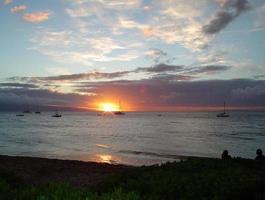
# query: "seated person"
[260,155]
[225,155]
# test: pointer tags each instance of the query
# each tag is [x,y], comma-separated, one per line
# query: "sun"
[108,107]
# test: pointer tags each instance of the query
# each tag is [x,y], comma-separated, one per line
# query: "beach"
[35,170]
[194,178]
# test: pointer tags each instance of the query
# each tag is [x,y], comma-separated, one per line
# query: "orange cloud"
[7,1]
[36,17]
[18,8]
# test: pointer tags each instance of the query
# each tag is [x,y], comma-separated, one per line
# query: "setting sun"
[108,107]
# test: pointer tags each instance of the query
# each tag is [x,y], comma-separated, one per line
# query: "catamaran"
[223,114]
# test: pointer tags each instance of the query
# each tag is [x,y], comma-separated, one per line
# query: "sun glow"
[108,107]
[105,158]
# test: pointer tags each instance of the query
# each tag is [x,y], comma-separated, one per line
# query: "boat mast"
[224,106]
[119,105]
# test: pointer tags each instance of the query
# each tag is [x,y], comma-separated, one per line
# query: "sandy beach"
[34,170]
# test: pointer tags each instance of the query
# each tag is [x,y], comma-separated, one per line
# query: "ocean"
[137,138]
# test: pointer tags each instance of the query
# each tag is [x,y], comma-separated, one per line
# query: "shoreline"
[195,178]
[36,170]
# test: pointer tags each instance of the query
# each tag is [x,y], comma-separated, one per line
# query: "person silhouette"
[260,155]
[225,155]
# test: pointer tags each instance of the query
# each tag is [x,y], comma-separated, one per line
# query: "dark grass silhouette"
[196,178]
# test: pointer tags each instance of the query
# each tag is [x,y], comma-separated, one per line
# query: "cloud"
[259,22]
[169,21]
[100,8]
[160,71]
[17,9]
[7,1]
[84,76]
[231,9]
[18,98]
[158,56]
[78,48]
[249,92]
[209,69]
[17,85]
[159,92]
[160,68]
[163,92]
[36,17]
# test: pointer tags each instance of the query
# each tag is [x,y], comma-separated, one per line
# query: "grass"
[192,179]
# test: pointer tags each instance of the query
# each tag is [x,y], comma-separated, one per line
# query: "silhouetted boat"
[19,115]
[26,111]
[223,114]
[56,115]
[119,112]
[37,111]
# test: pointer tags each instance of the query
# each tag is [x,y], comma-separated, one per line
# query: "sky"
[170,55]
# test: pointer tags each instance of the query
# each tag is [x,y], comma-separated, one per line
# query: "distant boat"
[223,114]
[119,112]
[37,111]
[19,115]
[26,111]
[56,115]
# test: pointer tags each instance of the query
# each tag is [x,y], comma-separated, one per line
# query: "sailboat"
[27,111]
[57,115]
[37,111]
[223,114]
[119,112]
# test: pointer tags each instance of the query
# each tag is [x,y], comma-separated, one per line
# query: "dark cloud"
[165,92]
[171,77]
[231,9]
[21,98]
[178,71]
[219,22]
[160,68]
[209,69]
[74,77]
[159,56]
[18,85]
[153,93]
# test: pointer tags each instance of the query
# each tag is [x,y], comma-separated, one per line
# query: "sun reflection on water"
[105,158]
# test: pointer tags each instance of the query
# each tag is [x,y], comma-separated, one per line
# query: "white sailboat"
[223,114]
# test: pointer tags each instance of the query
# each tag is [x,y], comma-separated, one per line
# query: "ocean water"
[135,138]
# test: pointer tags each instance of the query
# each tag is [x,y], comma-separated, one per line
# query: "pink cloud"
[18,8]
[36,17]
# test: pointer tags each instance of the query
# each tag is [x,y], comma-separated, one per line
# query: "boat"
[119,112]
[56,115]
[19,115]
[26,111]
[37,111]
[223,114]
